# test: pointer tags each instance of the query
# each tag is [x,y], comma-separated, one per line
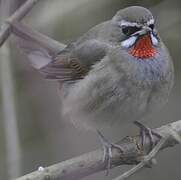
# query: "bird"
[120,71]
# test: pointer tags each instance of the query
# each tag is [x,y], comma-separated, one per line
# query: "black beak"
[144,30]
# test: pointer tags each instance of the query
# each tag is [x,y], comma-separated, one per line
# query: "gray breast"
[119,89]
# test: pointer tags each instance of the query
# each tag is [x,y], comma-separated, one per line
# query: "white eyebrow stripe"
[151,21]
[133,24]
[127,23]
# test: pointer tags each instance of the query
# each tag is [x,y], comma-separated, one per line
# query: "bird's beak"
[144,30]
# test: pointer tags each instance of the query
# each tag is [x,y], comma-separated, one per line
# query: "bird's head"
[138,31]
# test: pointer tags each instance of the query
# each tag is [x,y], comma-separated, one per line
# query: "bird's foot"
[147,132]
[150,133]
[107,150]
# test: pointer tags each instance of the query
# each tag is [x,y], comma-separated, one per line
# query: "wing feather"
[75,63]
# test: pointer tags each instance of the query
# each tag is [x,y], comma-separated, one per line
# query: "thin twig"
[90,163]
[17,16]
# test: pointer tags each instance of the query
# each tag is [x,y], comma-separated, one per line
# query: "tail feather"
[39,49]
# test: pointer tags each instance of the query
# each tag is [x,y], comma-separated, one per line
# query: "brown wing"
[65,68]
[76,61]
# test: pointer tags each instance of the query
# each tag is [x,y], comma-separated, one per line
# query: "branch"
[17,16]
[90,163]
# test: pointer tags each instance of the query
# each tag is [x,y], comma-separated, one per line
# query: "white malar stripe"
[127,23]
[129,42]
[154,40]
[151,21]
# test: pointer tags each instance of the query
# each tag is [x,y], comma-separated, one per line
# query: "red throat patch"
[143,48]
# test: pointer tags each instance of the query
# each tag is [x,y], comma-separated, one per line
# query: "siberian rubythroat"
[119,71]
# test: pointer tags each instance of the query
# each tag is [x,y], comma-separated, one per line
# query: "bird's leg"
[146,131]
[107,150]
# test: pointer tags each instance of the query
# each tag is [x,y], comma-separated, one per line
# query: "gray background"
[45,138]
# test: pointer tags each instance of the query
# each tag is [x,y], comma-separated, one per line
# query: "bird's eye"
[152,26]
[128,30]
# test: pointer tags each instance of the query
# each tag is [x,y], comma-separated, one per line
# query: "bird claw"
[107,151]
[146,131]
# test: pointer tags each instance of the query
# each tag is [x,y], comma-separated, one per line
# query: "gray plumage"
[101,83]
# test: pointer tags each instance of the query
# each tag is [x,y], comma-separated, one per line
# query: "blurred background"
[42,136]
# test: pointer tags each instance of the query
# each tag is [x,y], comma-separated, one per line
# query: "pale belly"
[104,102]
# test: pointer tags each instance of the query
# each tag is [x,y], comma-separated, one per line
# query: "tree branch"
[17,16]
[90,163]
